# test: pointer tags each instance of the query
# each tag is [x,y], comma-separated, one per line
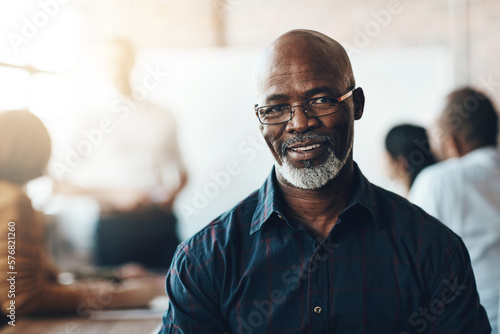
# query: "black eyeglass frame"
[309,101]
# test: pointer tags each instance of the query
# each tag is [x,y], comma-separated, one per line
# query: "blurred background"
[194,59]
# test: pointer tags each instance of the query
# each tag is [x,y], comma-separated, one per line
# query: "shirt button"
[317,257]
[317,310]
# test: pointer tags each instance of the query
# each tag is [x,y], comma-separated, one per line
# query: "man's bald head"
[303,50]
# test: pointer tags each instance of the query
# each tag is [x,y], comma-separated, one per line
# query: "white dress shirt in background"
[464,193]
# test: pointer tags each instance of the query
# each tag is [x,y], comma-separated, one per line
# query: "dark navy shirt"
[386,267]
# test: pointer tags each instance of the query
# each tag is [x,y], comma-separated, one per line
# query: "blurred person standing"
[408,153]
[25,148]
[135,175]
[464,191]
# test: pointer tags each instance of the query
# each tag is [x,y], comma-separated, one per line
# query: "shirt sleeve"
[440,193]
[193,306]
[425,193]
[454,302]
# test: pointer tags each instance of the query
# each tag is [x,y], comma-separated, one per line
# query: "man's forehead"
[302,84]
[301,76]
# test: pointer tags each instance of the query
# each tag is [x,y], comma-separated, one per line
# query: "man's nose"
[300,122]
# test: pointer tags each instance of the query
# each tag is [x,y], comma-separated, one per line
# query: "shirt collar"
[270,200]
[482,151]
[364,197]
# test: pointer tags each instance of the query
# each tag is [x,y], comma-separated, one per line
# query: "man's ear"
[359,102]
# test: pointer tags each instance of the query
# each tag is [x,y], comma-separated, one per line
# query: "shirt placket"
[318,306]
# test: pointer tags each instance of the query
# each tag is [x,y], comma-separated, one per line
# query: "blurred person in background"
[464,191]
[135,174]
[25,148]
[408,153]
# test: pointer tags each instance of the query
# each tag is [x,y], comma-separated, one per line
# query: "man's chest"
[294,285]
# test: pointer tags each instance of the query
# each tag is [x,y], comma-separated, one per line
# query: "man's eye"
[278,109]
[325,101]
[273,110]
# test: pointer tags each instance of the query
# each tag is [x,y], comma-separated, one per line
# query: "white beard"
[313,177]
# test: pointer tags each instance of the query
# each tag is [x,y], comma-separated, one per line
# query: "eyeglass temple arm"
[346,95]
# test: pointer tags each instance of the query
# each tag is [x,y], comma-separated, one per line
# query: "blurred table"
[141,321]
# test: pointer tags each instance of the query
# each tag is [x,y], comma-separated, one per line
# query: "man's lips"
[305,150]
[305,146]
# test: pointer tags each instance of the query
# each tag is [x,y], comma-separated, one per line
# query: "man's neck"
[318,209]
[468,149]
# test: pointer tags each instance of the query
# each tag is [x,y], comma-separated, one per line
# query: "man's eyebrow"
[319,90]
[276,97]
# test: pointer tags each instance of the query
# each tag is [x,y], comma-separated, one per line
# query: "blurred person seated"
[135,175]
[25,148]
[464,191]
[408,153]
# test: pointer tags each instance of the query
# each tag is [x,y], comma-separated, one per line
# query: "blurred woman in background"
[25,148]
[408,153]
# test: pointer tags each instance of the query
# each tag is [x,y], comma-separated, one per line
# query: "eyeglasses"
[317,107]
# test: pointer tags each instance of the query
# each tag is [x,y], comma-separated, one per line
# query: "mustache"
[303,137]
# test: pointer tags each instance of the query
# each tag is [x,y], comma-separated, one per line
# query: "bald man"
[464,191]
[318,248]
